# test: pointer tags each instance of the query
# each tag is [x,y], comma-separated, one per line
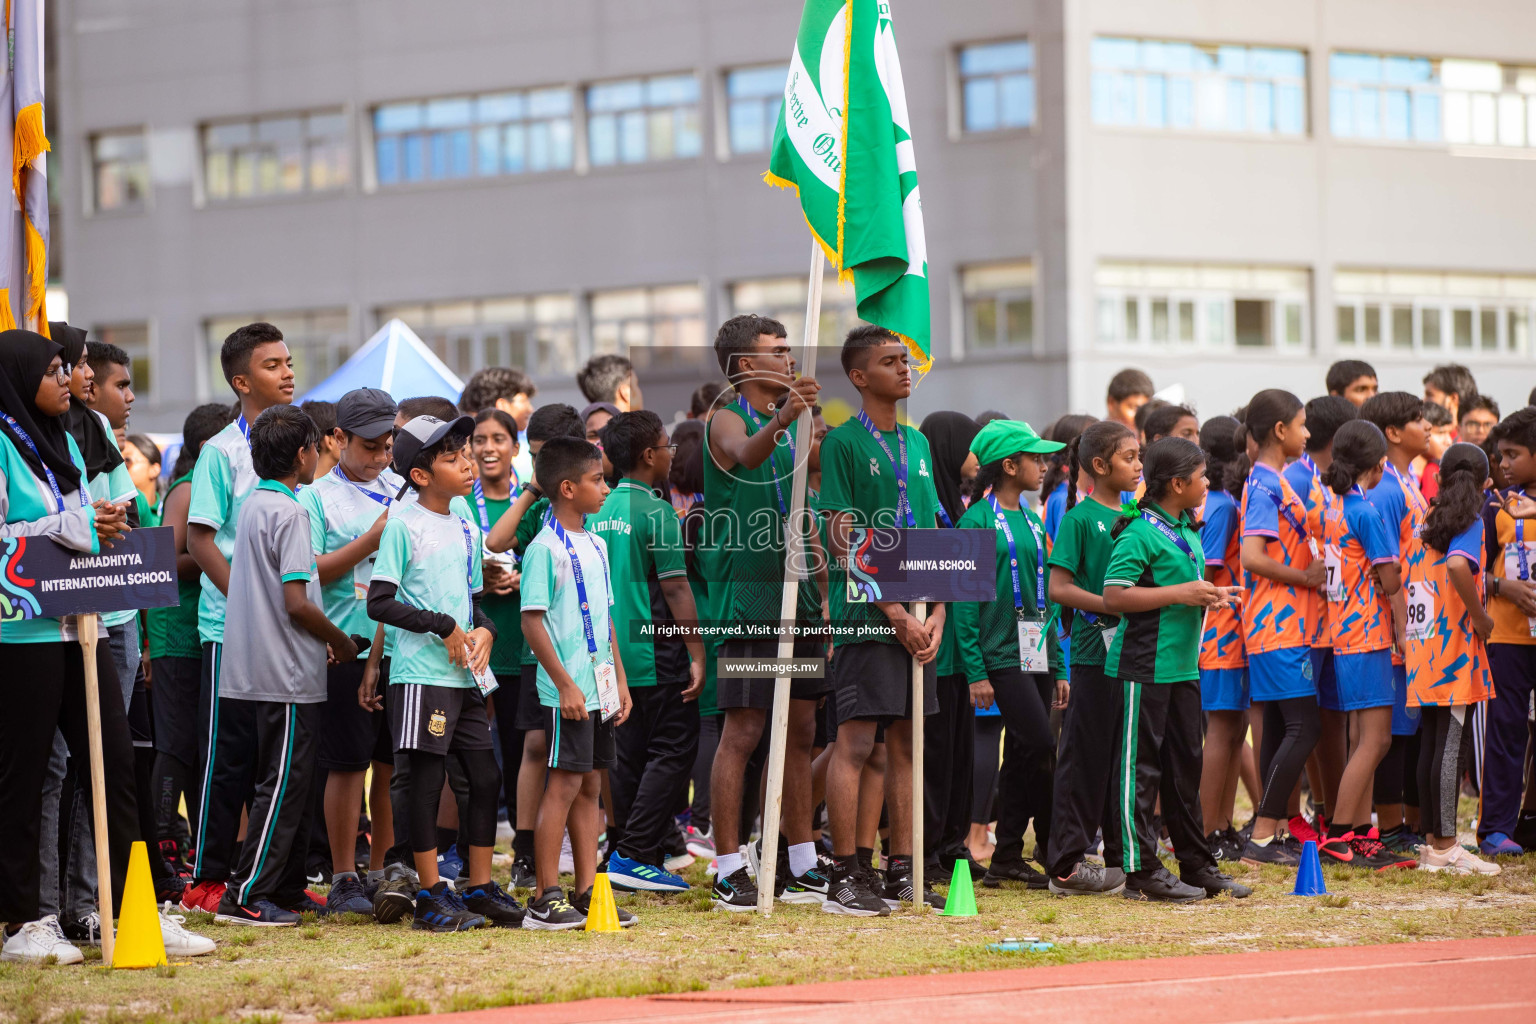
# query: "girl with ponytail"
[1362,576]
[1448,673]
[1058,478]
[1108,453]
[1282,563]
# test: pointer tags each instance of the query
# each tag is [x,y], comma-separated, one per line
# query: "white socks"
[728,864]
[802,857]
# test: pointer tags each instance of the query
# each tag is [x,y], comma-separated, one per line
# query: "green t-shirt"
[504,610]
[857,477]
[645,546]
[173,631]
[527,529]
[987,633]
[1082,548]
[149,516]
[700,562]
[549,585]
[434,561]
[1163,645]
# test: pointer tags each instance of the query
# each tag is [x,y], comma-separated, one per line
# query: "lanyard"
[1284,509]
[1173,535]
[898,465]
[1411,494]
[581,584]
[382,499]
[944,518]
[1013,561]
[245,428]
[757,424]
[485,519]
[53,482]
[1521,554]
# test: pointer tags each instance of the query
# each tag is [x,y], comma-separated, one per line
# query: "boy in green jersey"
[665,672]
[875,472]
[348,507]
[748,479]
[1155,581]
[259,369]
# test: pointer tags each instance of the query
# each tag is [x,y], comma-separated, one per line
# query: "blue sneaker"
[624,873]
[347,896]
[1497,844]
[450,864]
[439,909]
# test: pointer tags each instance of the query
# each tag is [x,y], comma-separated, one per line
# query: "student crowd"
[440,614]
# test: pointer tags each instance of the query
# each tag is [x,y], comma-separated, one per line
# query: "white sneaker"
[179,941]
[1458,860]
[36,941]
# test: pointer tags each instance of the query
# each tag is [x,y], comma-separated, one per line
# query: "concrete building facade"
[1228,195]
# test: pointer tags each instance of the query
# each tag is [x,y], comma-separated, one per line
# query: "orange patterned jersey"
[1403,508]
[1221,641]
[1360,615]
[1447,662]
[1305,480]
[1275,615]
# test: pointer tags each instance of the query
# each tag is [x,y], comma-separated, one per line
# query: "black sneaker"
[170,887]
[347,897]
[582,901]
[261,913]
[1525,830]
[1246,832]
[522,875]
[439,909]
[780,867]
[811,887]
[1232,843]
[1215,882]
[393,899]
[1274,852]
[552,912]
[850,895]
[1159,886]
[735,892]
[898,886]
[1375,856]
[1017,871]
[977,871]
[495,904]
[1088,879]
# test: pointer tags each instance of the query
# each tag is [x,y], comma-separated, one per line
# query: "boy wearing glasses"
[657,746]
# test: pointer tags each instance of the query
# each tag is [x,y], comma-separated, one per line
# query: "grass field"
[354,968]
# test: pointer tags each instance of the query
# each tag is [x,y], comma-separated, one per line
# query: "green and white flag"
[844,143]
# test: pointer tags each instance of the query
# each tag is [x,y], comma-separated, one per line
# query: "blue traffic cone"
[1309,873]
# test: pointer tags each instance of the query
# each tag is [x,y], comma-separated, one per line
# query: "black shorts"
[579,746]
[437,719]
[757,692]
[530,715]
[351,738]
[874,681]
[174,683]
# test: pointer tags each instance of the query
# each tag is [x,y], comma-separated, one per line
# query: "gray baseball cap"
[366,412]
[423,432]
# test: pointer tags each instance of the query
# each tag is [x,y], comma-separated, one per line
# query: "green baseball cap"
[1002,438]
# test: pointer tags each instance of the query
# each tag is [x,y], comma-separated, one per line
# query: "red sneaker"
[204,896]
[1302,830]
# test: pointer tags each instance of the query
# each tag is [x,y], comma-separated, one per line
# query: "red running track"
[1465,977]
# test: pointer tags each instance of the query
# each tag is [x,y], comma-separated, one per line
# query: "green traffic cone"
[961,901]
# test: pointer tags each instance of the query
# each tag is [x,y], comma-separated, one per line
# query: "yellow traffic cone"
[602,914]
[139,942]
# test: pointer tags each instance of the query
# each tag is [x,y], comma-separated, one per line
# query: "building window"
[1433,314]
[753,97]
[997,85]
[318,340]
[1431,101]
[651,325]
[783,299]
[119,170]
[484,136]
[1255,90]
[536,333]
[1213,307]
[644,119]
[271,156]
[132,338]
[999,306]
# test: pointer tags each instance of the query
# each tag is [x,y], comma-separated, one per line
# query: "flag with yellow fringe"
[24,281]
[843,142]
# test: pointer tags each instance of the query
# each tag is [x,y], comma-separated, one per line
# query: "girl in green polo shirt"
[1155,581]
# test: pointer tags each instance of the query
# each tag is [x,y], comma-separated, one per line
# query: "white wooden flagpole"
[86,625]
[920,612]
[794,563]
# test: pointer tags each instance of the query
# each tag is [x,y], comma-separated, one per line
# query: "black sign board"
[40,579]
[922,565]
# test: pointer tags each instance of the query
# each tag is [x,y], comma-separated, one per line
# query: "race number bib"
[485,681]
[1420,602]
[1032,657]
[1333,582]
[607,688]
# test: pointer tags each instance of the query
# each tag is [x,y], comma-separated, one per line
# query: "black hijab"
[949,436]
[98,450]
[24,358]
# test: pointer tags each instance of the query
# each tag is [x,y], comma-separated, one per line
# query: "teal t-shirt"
[221,481]
[549,585]
[434,561]
[31,511]
[340,511]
